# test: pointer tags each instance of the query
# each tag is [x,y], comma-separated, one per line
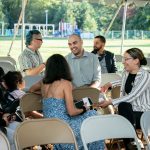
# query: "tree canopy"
[88,16]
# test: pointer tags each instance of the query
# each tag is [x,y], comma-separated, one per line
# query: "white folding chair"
[106,127]
[82,92]
[145,126]
[109,77]
[7,66]
[4,143]
[118,58]
[30,80]
[30,102]
[9,59]
[43,131]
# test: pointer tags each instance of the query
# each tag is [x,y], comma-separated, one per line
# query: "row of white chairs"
[9,64]
[105,78]
[53,131]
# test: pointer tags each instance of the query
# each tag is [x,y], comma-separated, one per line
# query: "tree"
[103,15]
[1,13]
[64,12]
[140,20]
[11,10]
[84,15]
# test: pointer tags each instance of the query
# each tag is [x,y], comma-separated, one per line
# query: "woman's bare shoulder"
[66,83]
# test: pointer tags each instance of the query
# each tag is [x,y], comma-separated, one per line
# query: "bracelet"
[84,110]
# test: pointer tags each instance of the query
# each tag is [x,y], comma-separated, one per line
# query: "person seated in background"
[56,89]
[107,59]
[2,89]
[8,126]
[13,82]
[135,89]
[7,123]
[85,68]
[30,59]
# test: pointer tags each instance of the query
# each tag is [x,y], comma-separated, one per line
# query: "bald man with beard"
[85,67]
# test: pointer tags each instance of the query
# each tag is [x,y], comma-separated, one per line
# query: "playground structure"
[44,28]
[2,27]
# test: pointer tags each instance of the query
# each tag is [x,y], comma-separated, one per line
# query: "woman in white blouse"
[135,88]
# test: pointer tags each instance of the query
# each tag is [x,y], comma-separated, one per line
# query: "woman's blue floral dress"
[56,108]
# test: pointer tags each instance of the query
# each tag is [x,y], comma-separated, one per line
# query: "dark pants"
[125,110]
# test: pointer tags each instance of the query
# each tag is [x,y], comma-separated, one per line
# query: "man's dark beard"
[96,49]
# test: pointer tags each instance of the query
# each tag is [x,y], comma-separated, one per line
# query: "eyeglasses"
[39,40]
[126,59]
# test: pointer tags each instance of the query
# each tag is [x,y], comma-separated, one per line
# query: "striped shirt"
[29,59]
[139,96]
[17,94]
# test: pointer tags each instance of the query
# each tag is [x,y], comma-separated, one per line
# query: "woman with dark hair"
[135,88]
[14,84]
[10,82]
[56,89]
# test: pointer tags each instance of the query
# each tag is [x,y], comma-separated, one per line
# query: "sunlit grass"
[52,46]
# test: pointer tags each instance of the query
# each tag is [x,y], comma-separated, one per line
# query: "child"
[14,84]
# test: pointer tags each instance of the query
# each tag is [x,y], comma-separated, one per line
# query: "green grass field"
[52,46]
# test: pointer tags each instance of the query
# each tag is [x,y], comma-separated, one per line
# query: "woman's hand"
[105,87]
[105,103]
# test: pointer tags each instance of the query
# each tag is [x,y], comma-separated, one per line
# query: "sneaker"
[140,142]
[131,146]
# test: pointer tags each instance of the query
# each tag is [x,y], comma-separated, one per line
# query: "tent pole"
[16,30]
[123,25]
[23,15]
[107,30]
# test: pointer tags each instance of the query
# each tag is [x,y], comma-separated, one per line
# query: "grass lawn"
[52,46]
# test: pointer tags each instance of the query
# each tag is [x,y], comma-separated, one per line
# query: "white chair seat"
[145,126]
[106,127]
[4,143]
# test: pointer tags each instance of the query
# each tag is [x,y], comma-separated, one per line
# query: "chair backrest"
[30,102]
[147,67]
[148,61]
[8,58]
[145,126]
[4,143]
[7,66]
[115,92]
[82,92]
[30,80]
[118,58]
[109,77]
[106,127]
[43,131]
